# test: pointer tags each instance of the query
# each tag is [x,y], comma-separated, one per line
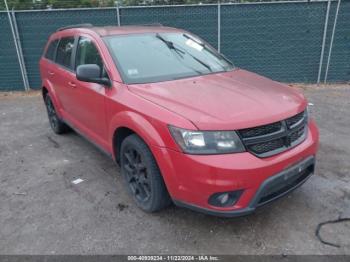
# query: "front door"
[89,98]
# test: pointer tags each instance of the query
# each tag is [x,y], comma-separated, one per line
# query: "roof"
[119,30]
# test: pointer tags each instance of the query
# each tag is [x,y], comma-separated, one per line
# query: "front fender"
[139,124]
[155,135]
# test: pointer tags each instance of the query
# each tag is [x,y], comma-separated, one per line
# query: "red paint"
[223,101]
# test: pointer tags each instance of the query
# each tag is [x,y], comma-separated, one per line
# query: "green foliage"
[54,4]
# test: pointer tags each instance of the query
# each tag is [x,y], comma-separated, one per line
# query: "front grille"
[267,146]
[295,135]
[271,139]
[261,130]
[294,119]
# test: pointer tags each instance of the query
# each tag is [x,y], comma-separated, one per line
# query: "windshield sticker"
[194,45]
[133,71]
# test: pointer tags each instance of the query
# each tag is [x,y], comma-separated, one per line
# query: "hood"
[225,101]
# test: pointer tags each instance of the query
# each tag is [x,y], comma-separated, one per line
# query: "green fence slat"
[280,40]
[10,73]
[201,20]
[339,67]
[35,28]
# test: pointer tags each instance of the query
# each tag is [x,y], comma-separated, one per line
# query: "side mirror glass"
[91,73]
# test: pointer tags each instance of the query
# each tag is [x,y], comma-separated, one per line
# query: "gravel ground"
[42,212]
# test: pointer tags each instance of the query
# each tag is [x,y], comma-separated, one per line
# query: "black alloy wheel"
[136,174]
[142,175]
[57,125]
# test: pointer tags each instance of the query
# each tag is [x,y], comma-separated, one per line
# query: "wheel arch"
[46,88]
[118,137]
[126,123]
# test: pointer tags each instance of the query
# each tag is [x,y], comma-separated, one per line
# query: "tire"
[142,175]
[57,125]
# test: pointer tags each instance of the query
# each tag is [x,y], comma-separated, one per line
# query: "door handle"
[71,84]
[50,73]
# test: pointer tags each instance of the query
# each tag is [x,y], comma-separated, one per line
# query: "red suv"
[184,124]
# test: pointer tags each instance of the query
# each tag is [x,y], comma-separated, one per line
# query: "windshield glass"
[154,57]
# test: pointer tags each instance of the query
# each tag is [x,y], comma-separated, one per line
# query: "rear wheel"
[57,125]
[142,176]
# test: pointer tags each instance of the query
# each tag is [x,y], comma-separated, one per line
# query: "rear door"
[64,75]
[47,61]
[48,67]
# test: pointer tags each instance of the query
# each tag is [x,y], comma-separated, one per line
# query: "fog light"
[225,199]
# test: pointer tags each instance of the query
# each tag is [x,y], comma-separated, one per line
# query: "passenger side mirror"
[91,73]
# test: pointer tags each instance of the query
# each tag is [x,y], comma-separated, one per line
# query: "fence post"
[219,27]
[331,44]
[26,84]
[118,12]
[323,42]
[19,54]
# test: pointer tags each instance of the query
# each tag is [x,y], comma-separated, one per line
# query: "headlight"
[207,142]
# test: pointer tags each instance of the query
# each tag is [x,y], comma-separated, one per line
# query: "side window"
[87,53]
[50,52]
[64,51]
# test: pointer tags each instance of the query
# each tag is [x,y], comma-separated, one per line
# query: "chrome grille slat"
[264,138]
[271,139]
[295,120]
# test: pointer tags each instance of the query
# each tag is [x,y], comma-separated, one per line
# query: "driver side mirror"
[91,73]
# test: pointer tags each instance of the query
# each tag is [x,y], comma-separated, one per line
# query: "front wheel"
[142,176]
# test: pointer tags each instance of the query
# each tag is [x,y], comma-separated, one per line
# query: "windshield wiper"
[201,62]
[171,45]
[223,57]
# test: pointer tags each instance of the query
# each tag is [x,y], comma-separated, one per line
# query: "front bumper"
[192,179]
[271,189]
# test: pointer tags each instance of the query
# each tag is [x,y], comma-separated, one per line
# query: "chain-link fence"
[10,72]
[282,40]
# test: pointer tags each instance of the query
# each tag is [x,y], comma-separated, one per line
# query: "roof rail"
[151,24]
[86,25]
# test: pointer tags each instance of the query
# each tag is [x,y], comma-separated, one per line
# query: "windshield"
[154,57]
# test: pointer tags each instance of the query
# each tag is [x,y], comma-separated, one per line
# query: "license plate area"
[286,181]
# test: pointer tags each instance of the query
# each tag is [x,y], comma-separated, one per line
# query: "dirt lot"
[42,212]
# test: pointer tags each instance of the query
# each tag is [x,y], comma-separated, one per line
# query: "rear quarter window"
[51,50]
